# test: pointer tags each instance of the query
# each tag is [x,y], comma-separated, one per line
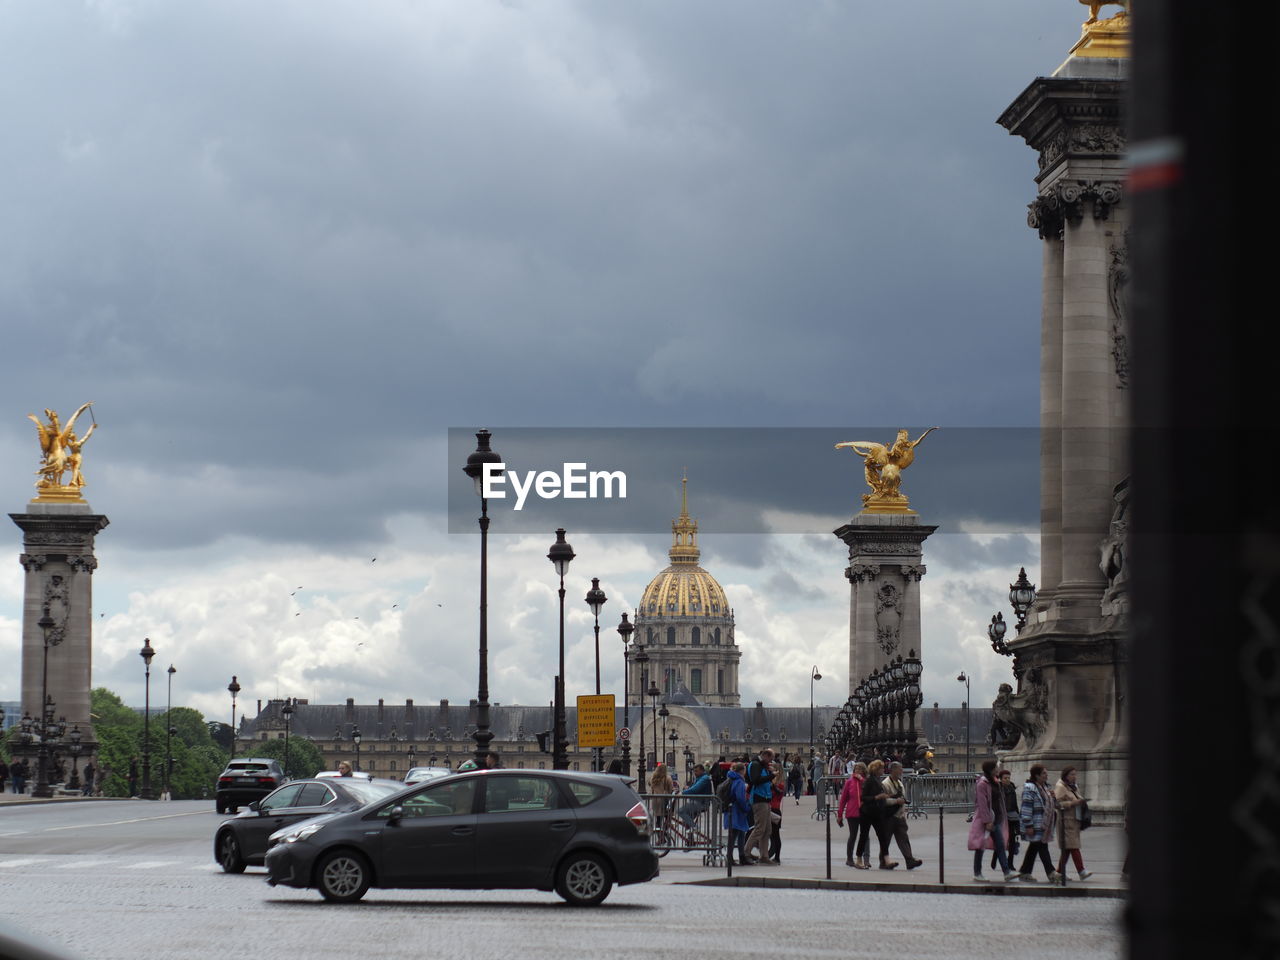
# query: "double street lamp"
[642,661]
[476,469]
[287,712]
[560,554]
[146,653]
[596,601]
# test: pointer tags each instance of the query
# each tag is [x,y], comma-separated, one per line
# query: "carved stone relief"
[888,617]
[1118,295]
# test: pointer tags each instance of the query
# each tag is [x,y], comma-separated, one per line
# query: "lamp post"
[234,688]
[51,639]
[813,675]
[355,738]
[287,712]
[413,757]
[146,653]
[642,659]
[560,554]
[596,601]
[1022,594]
[654,693]
[964,678]
[625,629]
[661,744]
[475,469]
[168,736]
[74,737]
[675,740]
[912,668]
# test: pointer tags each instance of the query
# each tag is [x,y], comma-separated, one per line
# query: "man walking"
[896,821]
[760,774]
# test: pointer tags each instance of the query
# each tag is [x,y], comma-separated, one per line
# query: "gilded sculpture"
[883,466]
[62,452]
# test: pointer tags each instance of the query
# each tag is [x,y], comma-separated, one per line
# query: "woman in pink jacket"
[989,823]
[849,808]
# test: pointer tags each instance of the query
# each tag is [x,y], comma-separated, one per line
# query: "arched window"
[719,681]
[652,637]
[697,637]
[716,637]
[695,681]
[671,636]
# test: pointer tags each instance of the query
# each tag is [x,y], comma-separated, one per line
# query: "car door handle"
[561,824]
[463,831]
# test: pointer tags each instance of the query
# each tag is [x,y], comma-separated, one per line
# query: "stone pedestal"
[884,577]
[58,558]
[1072,653]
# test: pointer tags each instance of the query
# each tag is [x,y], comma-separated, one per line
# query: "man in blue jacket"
[700,790]
[760,774]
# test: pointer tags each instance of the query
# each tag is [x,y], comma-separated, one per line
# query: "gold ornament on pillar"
[1104,38]
[62,449]
[883,469]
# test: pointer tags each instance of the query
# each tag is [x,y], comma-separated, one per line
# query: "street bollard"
[828,819]
[941,871]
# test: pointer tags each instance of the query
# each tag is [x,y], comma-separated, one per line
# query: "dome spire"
[684,530]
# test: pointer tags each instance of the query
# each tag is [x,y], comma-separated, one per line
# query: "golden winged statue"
[883,467]
[61,449]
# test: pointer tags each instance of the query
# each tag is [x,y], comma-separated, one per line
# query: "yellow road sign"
[595,720]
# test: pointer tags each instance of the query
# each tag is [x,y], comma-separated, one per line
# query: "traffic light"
[543,737]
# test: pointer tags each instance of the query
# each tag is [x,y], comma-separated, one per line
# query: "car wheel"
[229,857]
[219,806]
[233,808]
[584,879]
[342,876]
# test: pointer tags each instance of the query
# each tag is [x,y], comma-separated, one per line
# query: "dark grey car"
[575,833]
[243,839]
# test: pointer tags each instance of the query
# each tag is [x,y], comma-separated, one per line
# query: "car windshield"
[248,767]
[367,792]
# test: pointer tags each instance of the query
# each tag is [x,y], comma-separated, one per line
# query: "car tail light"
[639,818]
[270,780]
[226,779]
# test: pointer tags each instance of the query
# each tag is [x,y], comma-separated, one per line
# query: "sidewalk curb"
[972,889]
[33,801]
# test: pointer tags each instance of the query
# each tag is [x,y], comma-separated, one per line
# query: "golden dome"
[684,589]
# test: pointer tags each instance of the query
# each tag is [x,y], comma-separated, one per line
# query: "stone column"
[884,574]
[1050,413]
[58,557]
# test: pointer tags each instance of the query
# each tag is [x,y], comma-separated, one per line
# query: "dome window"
[695,681]
[715,637]
[671,636]
[697,638]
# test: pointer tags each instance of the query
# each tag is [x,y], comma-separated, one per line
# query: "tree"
[221,734]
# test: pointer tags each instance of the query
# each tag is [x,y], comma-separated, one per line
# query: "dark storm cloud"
[285,246]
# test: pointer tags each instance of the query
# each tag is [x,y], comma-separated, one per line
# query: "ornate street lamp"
[995,633]
[168,736]
[625,629]
[675,739]
[813,675]
[688,767]
[913,668]
[642,660]
[475,469]
[51,639]
[234,688]
[355,738]
[146,653]
[964,678]
[1022,594]
[287,712]
[661,744]
[596,601]
[560,554]
[75,737]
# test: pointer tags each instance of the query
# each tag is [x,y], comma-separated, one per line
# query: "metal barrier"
[686,823]
[950,791]
[826,793]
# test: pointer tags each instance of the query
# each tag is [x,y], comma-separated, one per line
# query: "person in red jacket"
[849,808]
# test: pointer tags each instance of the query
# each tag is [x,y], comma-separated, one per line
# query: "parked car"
[357,774]
[575,833]
[245,780]
[423,774]
[243,839]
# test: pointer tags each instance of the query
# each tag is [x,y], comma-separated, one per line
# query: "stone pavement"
[804,861]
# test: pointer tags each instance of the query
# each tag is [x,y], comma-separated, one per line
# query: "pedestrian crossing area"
[15,865]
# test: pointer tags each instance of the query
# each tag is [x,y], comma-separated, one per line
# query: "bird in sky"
[374,560]
[394,605]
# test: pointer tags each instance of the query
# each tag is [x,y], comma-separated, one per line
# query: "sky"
[287,247]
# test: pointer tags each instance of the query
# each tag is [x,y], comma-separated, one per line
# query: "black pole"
[483,735]
[560,760]
[168,731]
[42,787]
[596,764]
[146,736]
[626,709]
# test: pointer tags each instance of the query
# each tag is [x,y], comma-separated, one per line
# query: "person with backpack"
[700,792]
[732,794]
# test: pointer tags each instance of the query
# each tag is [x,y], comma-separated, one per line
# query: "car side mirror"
[256,806]
[394,815]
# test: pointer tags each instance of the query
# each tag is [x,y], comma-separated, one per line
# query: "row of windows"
[695,637]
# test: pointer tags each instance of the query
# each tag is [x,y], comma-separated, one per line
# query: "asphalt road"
[137,880]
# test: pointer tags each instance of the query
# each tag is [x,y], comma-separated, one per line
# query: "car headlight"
[299,833]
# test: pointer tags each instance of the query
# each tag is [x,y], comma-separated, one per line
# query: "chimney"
[379,730]
[351,710]
[260,711]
